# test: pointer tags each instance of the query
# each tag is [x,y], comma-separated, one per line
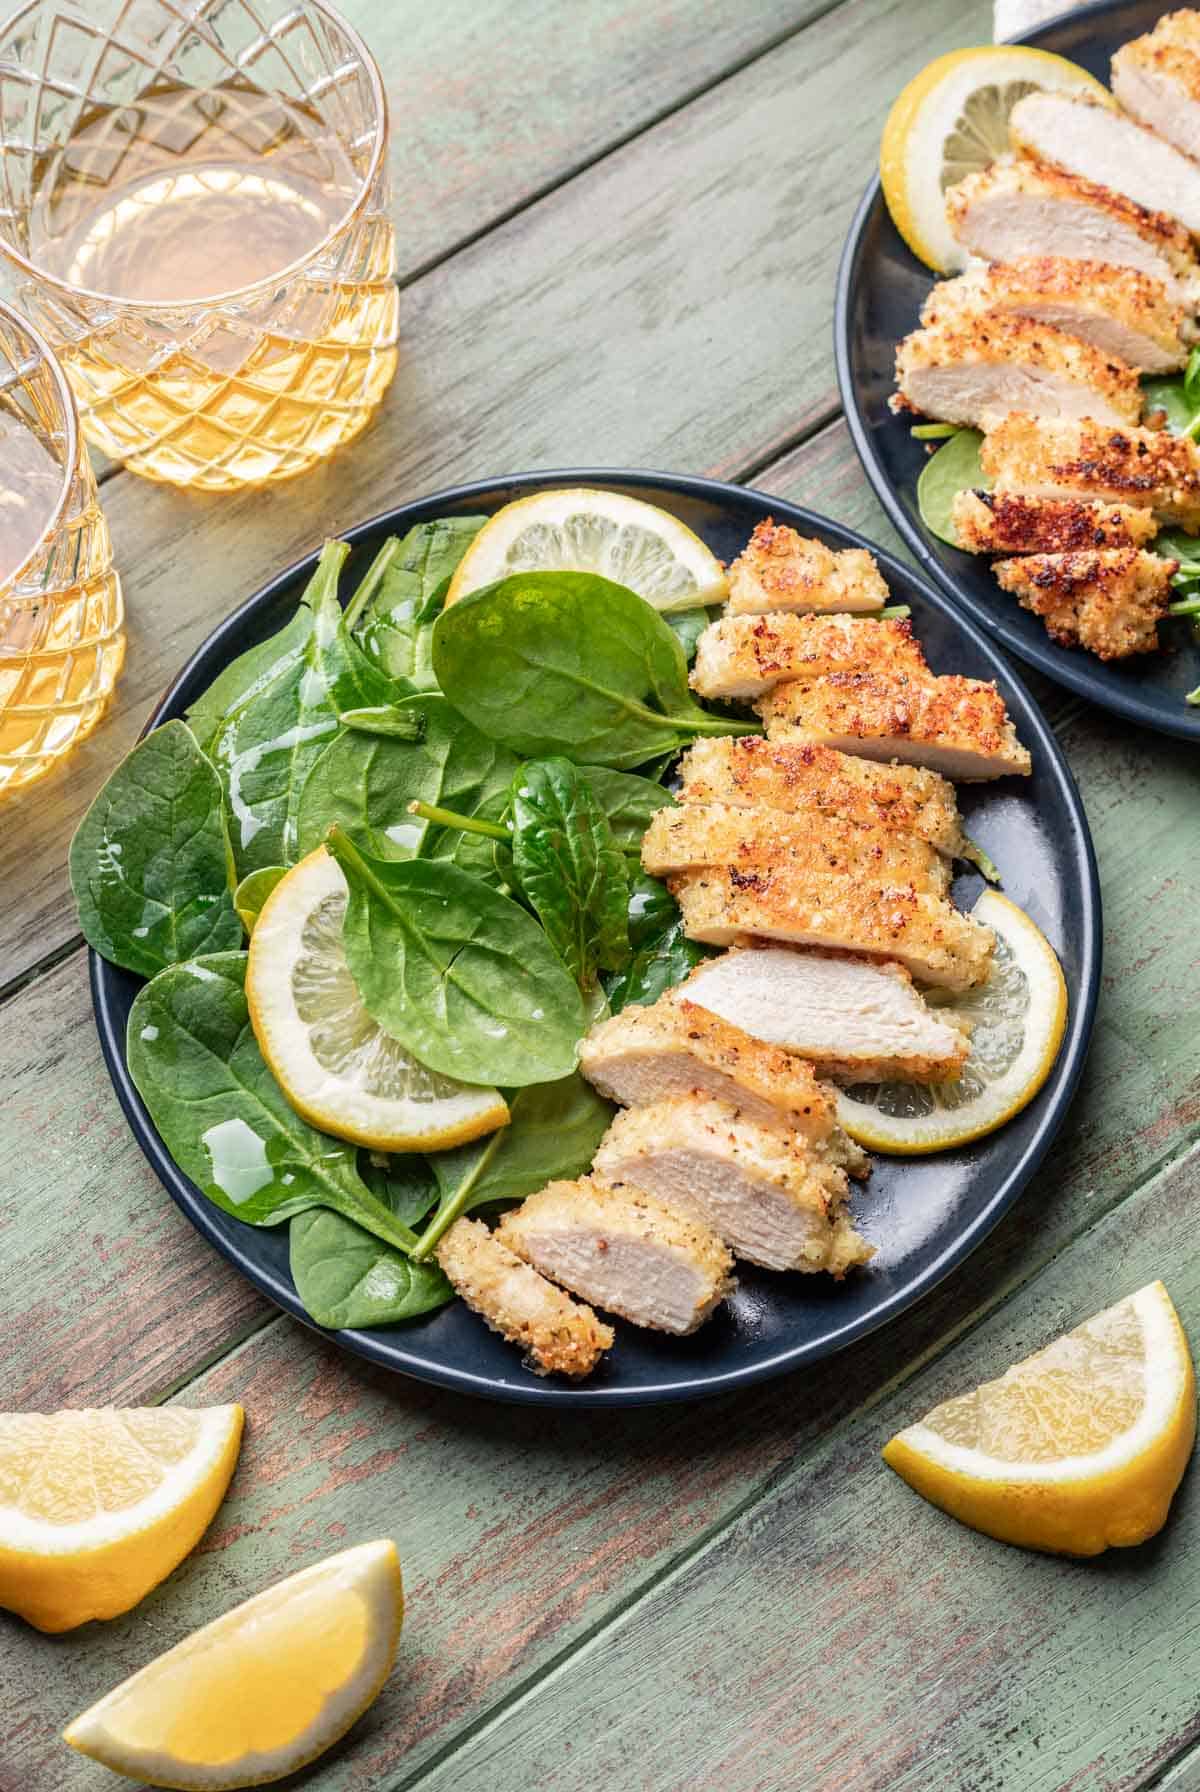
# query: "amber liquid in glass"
[189,195]
[60,641]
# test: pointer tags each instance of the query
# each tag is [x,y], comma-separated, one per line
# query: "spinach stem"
[468,824]
[1187,606]
[456,1206]
[374,578]
[895,612]
[933,432]
[371,1214]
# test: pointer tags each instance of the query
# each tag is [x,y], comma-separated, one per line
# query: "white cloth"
[1013,18]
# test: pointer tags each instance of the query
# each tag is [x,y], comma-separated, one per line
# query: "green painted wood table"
[618,232]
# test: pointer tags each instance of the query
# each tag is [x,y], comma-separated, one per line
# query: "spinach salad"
[482,775]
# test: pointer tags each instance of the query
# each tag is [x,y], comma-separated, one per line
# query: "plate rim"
[387,1351]
[1056,663]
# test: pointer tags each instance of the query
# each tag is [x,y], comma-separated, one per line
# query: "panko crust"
[995,339]
[1008,523]
[1107,600]
[1146,468]
[779,569]
[559,1335]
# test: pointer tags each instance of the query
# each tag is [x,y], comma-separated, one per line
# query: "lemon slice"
[97,1507]
[951,120]
[262,1690]
[1076,1449]
[1016,1022]
[339,1069]
[632,543]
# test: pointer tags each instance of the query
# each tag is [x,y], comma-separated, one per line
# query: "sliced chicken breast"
[742,656]
[558,1335]
[929,937]
[676,1048]
[1004,523]
[1108,600]
[623,1250]
[801,779]
[1105,146]
[1024,207]
[857,1021]
[1123,313]
[781,570]
[956,726]
[699,834]
[1157,79]
[1039,457]
[761,1190]
[963,372]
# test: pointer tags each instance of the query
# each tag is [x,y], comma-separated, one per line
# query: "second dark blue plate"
[925,1215]
[881,288]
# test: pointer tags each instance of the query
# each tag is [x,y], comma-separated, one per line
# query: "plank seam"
[763,1490]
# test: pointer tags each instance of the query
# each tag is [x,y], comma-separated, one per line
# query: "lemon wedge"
[262,1690]
[1077,1449]
[951,120]
[97,1507]
[631,542]
[339,1069]
[1016,1021]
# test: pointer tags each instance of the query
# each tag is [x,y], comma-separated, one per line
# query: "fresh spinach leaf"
[252,892]
[662,953]
[688,625]
[569,867]
[364,785]
[569,663]
[954,468]
[404,1180]
[390,720]
[149,862]
[458,973]
[250,673]
[195,1062]
[395,628]
[273,738]
[554,1131]
[630,802]
[347,1279]
[1177,397]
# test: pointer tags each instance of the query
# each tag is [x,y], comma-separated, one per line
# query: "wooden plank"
[841,1634]
[522,1533]
[572,335]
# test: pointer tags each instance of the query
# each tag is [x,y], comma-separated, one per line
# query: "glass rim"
[74,444]
[378,149]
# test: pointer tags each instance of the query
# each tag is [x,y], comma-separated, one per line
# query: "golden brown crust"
[1042,179]
[1171,50]
[801,778]
[779,569]
[1007,523]
[739,656]
[994,339]
[559,1335]
[723,834]
[957,715]
[1108,600]
[1056,455]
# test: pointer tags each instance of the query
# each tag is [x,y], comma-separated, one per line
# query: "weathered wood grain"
[669,308]
[843,1634]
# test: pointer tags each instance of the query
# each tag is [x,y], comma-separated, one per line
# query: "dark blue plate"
[925,1215]
[881,288]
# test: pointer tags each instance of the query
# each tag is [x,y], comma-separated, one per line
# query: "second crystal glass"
[193,203]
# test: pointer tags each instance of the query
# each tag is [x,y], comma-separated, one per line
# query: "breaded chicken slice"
[675,1048]
[1005,523]
[1157,79]
[1105,146]
[799,778]
[624,1251]
[559,1335]
[1108,600]
[1040,457]
[765,1193]
[926,934]
[957,726]
[1024,207]
[781,570]
[855,1020]
[1123,313]
[697,834]
[742,656]
[962,372]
